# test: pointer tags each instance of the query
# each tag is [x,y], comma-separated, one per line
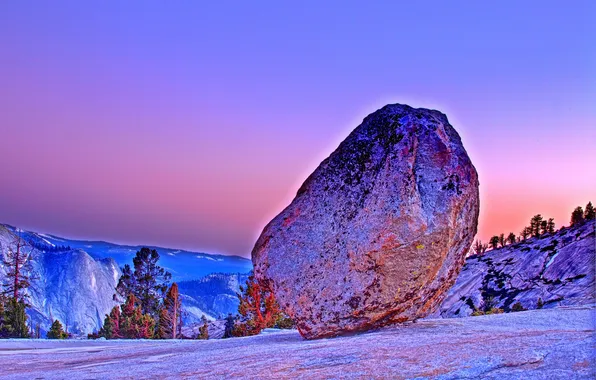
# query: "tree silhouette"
[577,216]
[480,248]
[148,282]
[502,240]
[589,213]
[494,242]
[535,225]
[511,238]
[550,226]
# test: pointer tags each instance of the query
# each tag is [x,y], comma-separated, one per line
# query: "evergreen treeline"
[48,248]
[538,227]
[152,307]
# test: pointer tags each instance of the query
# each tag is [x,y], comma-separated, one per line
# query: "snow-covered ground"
[537,344]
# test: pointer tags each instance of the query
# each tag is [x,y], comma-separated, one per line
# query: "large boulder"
[378,233]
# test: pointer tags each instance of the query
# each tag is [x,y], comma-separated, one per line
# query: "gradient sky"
[190,124]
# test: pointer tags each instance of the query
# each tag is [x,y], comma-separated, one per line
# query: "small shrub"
[518,307]
[495,310]
[56,331]
[204,331]
[284,322]
[540,304]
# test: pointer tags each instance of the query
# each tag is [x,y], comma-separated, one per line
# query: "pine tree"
[258,306]
[502,240]
[479,248]
[128,321]
[525,233]
[535,224]
[15,320]
[577,216]
[111,325]
[511,238]
[550,226]
[2,316]
[494,242]
[164,327]
[589,213]
[229,327]
[543,227]
[148,282]
[56,331]
[169,316]
[18,267]
[126,284]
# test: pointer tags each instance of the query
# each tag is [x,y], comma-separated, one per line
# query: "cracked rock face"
[558,269]
[379,232]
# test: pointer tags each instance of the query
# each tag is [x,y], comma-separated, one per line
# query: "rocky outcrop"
[213,296]
[68,285]
[537,344]
[379,231]
[76,285]
[552,270]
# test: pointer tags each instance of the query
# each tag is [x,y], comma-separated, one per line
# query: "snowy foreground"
[538,344]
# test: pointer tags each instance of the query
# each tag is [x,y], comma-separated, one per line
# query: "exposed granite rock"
[68,285]
[379,231]
[537,344]
[556,268]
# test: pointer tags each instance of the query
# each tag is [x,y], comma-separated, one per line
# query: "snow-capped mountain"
[74,281]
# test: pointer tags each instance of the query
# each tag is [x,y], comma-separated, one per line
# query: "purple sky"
[192,124]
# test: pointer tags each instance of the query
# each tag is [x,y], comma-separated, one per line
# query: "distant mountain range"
[184,265]
[74,280]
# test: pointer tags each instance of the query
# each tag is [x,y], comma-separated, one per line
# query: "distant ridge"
[183,264]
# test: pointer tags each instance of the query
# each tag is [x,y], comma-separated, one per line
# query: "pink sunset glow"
[192,128]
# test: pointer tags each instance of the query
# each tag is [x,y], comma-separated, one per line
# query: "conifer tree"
[550,226]
[258,307]
[502,240]
[525,233]
[56,331]
[535,224]
[494,242]
[148,282]
[589,213]
[511,238]
[169,316]
[229,327]
[479,248]
[18,267]
[543,227]
[128,322]
[15,320]
[164,327]
[111,325]
[2,315]
[577,216]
